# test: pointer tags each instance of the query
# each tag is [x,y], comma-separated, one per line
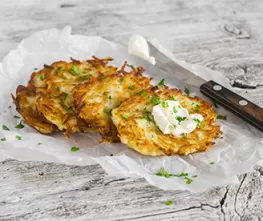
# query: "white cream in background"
[138,46]
[165,118]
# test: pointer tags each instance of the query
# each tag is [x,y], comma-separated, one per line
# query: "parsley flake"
[161,84]
[155,100]
[172,98]
[20,125]
[164,104]
[75,149]
[74,70]
[16,117]
[107,111]
[125,116]
[188,180]
[221,117]
[41,77]
[3,139]
[144,94]
[4,127]
[186,91]
[18,137]
[169,202]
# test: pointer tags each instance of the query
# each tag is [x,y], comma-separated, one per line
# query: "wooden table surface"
[224,35]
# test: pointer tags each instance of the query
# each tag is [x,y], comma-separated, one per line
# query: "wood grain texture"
[222,35]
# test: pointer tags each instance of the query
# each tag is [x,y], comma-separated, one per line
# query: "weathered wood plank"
[223,35]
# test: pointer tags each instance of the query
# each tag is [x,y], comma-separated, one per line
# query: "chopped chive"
[35,69]
[188,180]
[110,97]
[59,70]
[198,122]
[132,67]
[161,84]
[41,77]
[214,103]
[107,111]
[102,79]
[184,135]
[164,173]
[131,87]
[195,176]
[3,139]
[144,94]
[148,116]
[4,127]
[58,88]
[172,97]
[63,97]
[20,125]
[164,104]
[16,117]
[18,137]
[212,163]
[186,91]
[74,70]
[155,100]
[70,108]
[75,149]
[221,117]
[174,110]
[125,116]
[169,202]
[180,119]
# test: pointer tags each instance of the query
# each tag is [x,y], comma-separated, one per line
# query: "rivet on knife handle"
[238,105]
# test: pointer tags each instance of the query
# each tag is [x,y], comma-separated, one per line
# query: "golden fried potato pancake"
[25,104]
[54,97]
[137,129]
[95,99]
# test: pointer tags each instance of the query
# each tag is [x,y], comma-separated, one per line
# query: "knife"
[243,108]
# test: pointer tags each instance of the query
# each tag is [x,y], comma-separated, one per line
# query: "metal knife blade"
[236,104]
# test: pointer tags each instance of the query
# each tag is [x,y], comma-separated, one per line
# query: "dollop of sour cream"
[138,46]
[172,118]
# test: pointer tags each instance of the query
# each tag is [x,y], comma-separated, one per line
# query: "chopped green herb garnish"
[107,111]
[74,149]
[221,117]
[195,176]
[20,125]
[186,90]
[85,77]
[58,88]
[63,97]
[188,180]
[161,84]
[174,110]
[180,119]
[179,106]
[198,122]
[110,97]
[184,135]
[214,103]
[4,127]
[132,67]
[164,104]
[131,87]
[35,69]
[102,79]
[125,116]
[172,98]
[212,163]
[164,173]
[41,77]
[155,100]
[54,95]
[74,70]
[59,70]
[18,137]
[144,94]
[196,107]
[70,108]
[181,174]
[104,93]
[169,202]
[3,139]
[148,116]
[16,117]
[152,136]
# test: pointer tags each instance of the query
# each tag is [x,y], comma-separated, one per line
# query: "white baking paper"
[237,153]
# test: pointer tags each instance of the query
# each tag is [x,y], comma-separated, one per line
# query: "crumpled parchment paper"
[238,151]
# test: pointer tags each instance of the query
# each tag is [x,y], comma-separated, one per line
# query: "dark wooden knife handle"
[238,105]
